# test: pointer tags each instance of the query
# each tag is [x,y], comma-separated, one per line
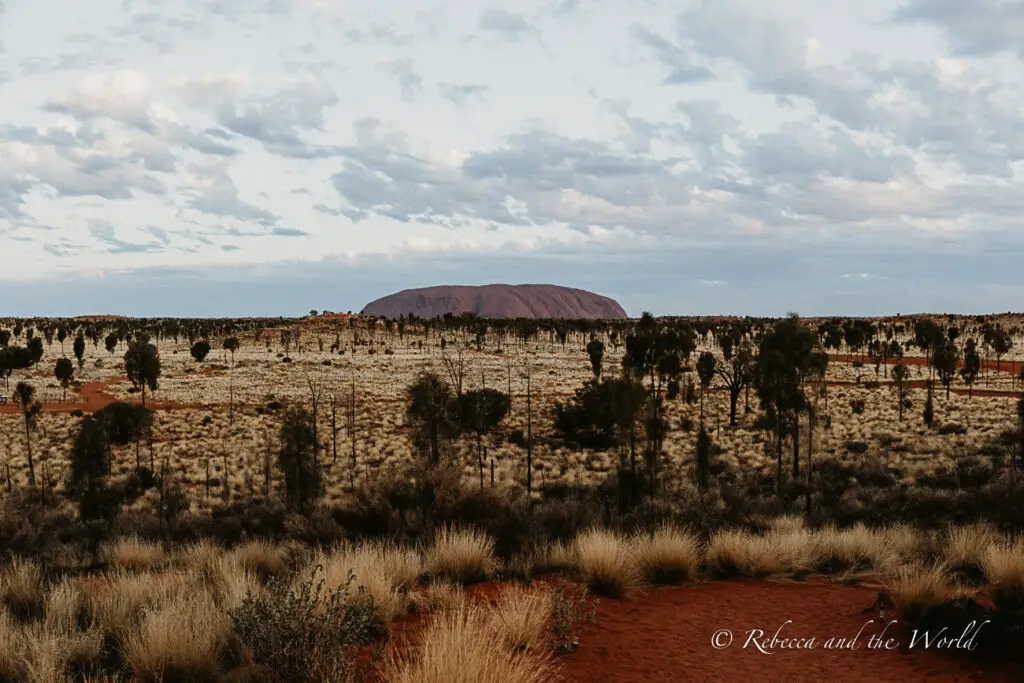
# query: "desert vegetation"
[346,498]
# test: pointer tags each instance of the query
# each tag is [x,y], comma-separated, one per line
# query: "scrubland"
[415,573]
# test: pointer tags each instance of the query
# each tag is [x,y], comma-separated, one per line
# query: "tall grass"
[668,556]
[605,563]
[459,647]
[461,555]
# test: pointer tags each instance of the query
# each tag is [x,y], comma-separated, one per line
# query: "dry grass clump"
[739,553]
[22,590]
[262,558]
[605,564]
[520,617]
[859,550]
[67,608]
[555,556]
[133,554]
[186,640]
[965,548]
[437,596]
[124,597]
[386,573]
[916,588]
[458,647]
[461,555]
[1003,564]
[12,646]
[668,556]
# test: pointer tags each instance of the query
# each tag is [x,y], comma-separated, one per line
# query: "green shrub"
[308,633]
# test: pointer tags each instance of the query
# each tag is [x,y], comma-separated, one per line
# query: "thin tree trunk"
[529,437]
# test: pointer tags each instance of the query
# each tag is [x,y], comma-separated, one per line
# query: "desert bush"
[604,562]
[309,633]
[461,555]
[570,616]
[668,556]
[384,572]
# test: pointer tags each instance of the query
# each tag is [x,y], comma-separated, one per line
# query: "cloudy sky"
[266,157]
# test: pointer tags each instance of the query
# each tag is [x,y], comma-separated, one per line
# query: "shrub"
[309,634]
[668,556]
[857,406]
[604,563]
[569,617]
[737,553]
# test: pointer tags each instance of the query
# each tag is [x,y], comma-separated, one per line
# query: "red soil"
[1010,366]
[92,396]
[665,635]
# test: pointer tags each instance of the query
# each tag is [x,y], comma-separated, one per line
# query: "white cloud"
[181,134]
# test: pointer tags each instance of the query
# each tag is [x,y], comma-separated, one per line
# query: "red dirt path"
[1010,366]
[664,635]
[91,397]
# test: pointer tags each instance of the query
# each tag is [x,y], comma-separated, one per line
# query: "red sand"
[1009,366]
[92,396]
[664,635]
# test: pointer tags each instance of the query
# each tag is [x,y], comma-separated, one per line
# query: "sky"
[268,157]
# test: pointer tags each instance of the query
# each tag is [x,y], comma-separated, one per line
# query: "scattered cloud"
[506,24]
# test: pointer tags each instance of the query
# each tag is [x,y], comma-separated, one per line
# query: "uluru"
[497,301]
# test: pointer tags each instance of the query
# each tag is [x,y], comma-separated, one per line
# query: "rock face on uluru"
[497,301]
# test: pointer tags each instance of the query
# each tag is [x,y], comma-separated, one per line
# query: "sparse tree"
[972,366]
[297,459]
[455,366]
[62,334]
[433,412]
[110,342]
[24,396]
[142,365]
[64,371]
[88,472]
[480,411]
[899,377]
[200,350]
[706,374]
[35,349]
[78,347]
[945,360]
[735,373]
[595,350]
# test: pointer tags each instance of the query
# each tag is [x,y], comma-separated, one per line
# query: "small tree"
[706,373]
[899,378]
[231,345]
[1001,345]
[64,371]
[24,396]
[88,472]
[433,412]
[972,366]
[35,349]
[297,459]
[929,406]
[200,350]
[142,365]
[595,349]
[945,360]
[480,411]
[704,447]
[78,347]
[110,342]
[62,334]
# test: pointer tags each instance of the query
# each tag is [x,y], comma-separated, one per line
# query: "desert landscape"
[350,497]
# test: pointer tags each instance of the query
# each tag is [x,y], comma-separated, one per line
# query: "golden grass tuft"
[739,553]
[605,564]
[261,558]
[67,608]
[668,556]
[1003,564]
[458,647]
[183,640]
[859,550]
[966,546]
[520,617]
[916,588]
[134,554]
[22,589]
[385,571]
[461,555]
[438,596]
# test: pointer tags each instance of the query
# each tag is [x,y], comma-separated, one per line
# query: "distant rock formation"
[497,301]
